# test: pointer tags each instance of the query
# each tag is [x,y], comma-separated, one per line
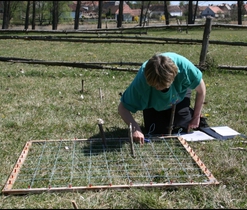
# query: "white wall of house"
[160,13]
[175,14]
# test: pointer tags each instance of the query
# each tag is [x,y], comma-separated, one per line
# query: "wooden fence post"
[205,41]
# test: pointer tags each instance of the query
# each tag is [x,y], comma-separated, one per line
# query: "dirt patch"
[71,26]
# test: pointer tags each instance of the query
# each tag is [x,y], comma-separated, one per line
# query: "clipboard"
[207,134]
[212,131]
[196,136]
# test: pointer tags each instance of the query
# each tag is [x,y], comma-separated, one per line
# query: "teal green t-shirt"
[139,95]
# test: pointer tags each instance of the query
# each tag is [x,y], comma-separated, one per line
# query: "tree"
[100,14]
[34,15]
[77,14]
[146,14]
[44,11]
[9,10]
[18,11]
[27,15]
[190,13]
[55,15]
[120,14]
[141,15]
[166,13]
[240,5]
[194,19]
[6,15]
[63,10]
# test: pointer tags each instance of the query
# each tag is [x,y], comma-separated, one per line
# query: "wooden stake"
[172,118]
[74,205]
[205,41]
[100,123]
[82,83]
[100,94]
[131,141]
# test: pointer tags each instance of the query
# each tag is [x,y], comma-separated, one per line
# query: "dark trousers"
[157,122]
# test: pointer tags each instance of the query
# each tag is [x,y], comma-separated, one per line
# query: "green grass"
[44,102]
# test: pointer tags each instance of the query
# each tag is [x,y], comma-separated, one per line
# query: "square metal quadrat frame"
[115,163]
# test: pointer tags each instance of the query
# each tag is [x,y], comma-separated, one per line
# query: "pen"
[146,140]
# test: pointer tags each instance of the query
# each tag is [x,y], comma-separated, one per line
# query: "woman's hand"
[138,137]
[137,134]
[194,123]
[199,100]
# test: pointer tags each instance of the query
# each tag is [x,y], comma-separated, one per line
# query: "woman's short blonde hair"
[160,71]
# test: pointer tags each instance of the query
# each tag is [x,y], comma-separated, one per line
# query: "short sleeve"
[135,97]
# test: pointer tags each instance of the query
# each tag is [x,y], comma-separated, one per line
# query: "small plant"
[211,64]
[136,19]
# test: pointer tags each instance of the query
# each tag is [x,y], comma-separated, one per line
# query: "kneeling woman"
[164,80]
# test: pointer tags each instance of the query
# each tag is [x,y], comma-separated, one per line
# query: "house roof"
[215,9]
[136,12]
[112,8]
[224,5]
[174,8]
[160,8]
[88,3]
[202,8]
[84,4]
[126,9]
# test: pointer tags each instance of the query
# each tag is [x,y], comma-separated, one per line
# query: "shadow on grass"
[115,139]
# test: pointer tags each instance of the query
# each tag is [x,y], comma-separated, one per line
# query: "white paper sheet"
[225,131]
[196,136]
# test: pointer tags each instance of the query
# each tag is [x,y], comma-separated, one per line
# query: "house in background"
[213,11]
[226,8]
[73,9]
[87,9]
[200,9]
[113,9]
[158,10]
[175,11]
[127,13]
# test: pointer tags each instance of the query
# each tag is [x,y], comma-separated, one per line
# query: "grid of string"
[84,163]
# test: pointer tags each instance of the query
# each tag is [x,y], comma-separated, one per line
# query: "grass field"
[41,102]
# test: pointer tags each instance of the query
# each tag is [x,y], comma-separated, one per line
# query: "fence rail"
[124,39]
[100,65]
